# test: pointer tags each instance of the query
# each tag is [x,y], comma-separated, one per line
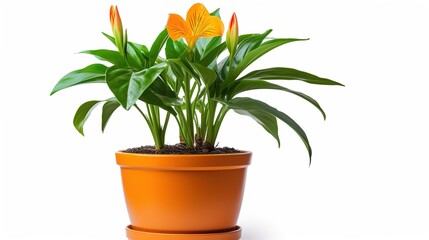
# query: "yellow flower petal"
[213,27]
[176,27]
[191,40]
[196,18]
[198,23]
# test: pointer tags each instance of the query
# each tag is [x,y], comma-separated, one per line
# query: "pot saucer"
[234,234]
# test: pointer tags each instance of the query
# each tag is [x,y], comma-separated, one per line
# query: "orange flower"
[232,35]
[198,23]
[118,32]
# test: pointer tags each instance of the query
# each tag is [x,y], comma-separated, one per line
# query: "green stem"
[142,113]
[181,120]
[222,113]
[203,126]
[164,127]
[155,126]
[210,121]
[189,113]
[152,126]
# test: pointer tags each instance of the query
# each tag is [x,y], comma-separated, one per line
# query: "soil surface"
[179,149]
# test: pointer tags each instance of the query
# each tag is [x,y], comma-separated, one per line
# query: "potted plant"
[191,190]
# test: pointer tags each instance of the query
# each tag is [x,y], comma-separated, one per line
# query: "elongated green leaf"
[216,13]
[163,90]
[180,65]
[243,48]
[82,115]
[249,44]
[152,98]
[135,57]
[118,79]
[147,76]
[280,73]
[136,53]
[170,101]
[108,108]
[176,75]
[205,45]
[207,75]
[94,73]
[157,46]
[107,55]
[214,54]
[247,85]
[257,53]
[111,39]
[160,94]
[141,48]
[289,121]
[264,118]
[127,86]
[245,103]
[213,43]
[174,49]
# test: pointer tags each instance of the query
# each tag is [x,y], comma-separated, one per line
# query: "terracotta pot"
[183,196]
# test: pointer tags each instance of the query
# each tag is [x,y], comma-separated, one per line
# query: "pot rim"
[184,161]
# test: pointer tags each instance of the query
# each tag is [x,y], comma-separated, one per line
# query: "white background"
[369,178]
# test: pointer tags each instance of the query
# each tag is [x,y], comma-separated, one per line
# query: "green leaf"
[107,55]
[214,42]
[82,114]
[108,108]
[214,54]
[94,73]
[180,65]
[207,75]
[267,121]
[163,90]
[170,101]
[135,56]
[205,45]
[141,48]
[118,79]
[247,85]
[146,77]
[127,86]
[246,104]
[243,48]
[257,53]
[160,94]
[280,73]
[151,97]
[249,44]
[174,49]
[264,118]
[112,39]
[216,13]
[157,46]
[136,53]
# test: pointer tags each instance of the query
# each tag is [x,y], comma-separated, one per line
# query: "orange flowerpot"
[183,197]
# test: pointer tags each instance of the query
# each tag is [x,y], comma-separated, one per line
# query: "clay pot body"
[185,195]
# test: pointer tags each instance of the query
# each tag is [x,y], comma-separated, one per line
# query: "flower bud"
[232,35]
[118,32]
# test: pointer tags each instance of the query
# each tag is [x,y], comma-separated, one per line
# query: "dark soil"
[179,149]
